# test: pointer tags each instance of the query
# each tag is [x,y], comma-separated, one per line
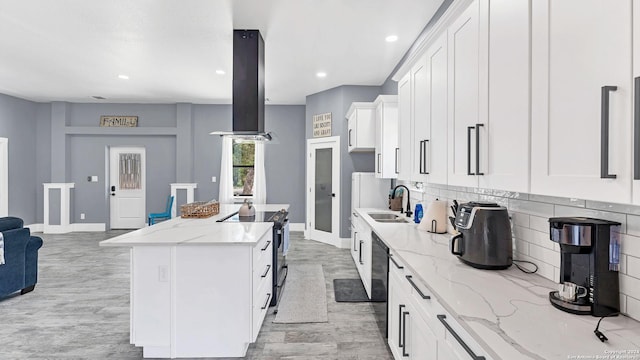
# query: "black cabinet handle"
[266,302]
[469,128]
[350,137]
[478,126]
[266,246]
[360,253]
[424,158]
[404,334]
[420,157]
[379,163]
[459,339]
[266,271]
[636,129]
[426,297]
[397,160]
[453,245]
[400,343]
[355,236]
[604,132]
[394,262]
[354,214]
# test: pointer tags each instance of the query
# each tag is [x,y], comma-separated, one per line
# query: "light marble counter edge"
[198,232]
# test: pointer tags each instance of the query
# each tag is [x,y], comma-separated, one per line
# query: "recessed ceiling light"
[220,72]
[98,97]
[321,74]
[123,77]
[391,38]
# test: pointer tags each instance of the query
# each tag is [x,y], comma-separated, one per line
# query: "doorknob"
[333,195]
[113,189]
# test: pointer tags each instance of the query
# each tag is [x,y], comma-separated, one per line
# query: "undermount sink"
[387,218]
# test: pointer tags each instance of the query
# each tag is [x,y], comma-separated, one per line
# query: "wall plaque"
[118,121]
[322,125]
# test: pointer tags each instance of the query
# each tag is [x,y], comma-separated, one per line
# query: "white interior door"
[127,193]
[4,177]
[323,189]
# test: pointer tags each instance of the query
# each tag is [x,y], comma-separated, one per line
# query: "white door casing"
[4,177]
[127,187]
[333,237]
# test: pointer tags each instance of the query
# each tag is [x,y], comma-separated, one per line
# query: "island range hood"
[248,87]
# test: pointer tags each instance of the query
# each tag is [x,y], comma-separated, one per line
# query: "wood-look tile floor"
[80,309]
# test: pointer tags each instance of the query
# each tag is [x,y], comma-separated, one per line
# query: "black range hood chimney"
[248,86]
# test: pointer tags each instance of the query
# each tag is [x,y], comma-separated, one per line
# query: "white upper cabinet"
[421,128]
[405,130]
[504,138]
[464,97]
[581,99]
[435,150]
[361,127]
[386,136]
[636,106]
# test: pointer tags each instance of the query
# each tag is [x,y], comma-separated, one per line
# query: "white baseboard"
[96,227]
[35,227]
[345,243]
[296,227]
[63,229]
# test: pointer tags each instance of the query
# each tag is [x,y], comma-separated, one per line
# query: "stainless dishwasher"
[379,281]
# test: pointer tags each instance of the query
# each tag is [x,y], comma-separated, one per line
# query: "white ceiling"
[71,50]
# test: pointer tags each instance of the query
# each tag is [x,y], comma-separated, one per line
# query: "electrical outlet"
[82,216]
[213,179]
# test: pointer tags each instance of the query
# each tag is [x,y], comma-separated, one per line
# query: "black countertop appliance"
[589,265]
[485,239]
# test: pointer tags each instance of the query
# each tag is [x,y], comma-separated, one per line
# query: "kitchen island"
[498,314]
[199,288]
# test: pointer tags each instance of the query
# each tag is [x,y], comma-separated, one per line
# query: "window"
[243,167]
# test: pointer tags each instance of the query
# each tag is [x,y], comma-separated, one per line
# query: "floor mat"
[352,290]
[304,297]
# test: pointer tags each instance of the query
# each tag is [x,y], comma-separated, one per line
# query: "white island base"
[198,288]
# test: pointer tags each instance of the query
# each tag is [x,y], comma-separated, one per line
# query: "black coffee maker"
[589,265]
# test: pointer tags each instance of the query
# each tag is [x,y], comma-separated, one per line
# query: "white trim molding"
[189,187]
[297,227]
[65,196]
[76,227]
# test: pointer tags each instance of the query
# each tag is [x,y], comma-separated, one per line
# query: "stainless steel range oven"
[280,230]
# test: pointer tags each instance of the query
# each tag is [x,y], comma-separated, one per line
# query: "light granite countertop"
[506,311]
[179,231]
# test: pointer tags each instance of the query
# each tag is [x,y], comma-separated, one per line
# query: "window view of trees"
[243,169]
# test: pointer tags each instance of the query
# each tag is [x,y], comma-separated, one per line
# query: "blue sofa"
[20,270]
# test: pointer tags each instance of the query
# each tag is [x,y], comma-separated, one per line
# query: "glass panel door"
[324,189]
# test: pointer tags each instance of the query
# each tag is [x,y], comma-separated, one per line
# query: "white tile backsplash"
[539,223]
[632,307]
[632,266]
[629,286]
[531,207]
[520,219]
[530,215]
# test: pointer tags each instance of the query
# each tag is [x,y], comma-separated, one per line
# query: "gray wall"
[337,101]
[43,156]
[18,123]
[285,159]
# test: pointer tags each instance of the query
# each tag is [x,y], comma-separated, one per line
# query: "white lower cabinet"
[361,251]
[418,326]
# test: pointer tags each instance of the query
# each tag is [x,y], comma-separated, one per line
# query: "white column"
[65,196]
[189,187]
